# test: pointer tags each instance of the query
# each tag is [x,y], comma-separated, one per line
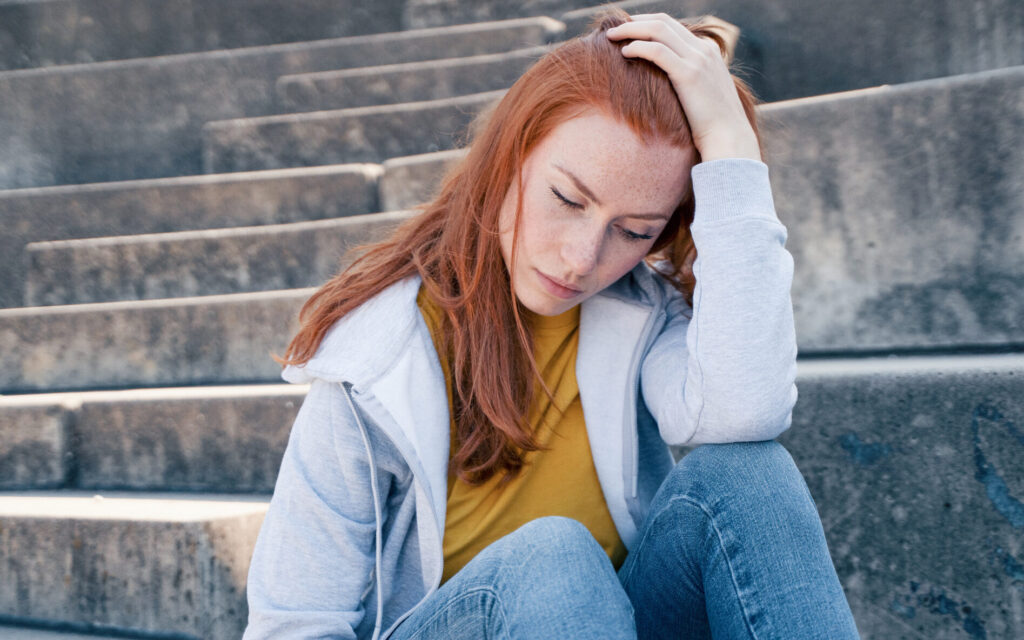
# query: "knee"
[559,546]
[556,535]
[737,469]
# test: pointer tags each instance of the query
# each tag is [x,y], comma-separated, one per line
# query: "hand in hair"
[702,81]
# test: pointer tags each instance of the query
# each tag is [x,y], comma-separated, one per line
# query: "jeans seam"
[450,603]
[721,544]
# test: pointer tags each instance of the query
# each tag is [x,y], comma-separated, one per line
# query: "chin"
[544,305]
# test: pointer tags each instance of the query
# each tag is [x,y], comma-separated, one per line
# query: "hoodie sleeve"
[725,371]
[314,554]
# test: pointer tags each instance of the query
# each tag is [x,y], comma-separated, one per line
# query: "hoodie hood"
[364,344]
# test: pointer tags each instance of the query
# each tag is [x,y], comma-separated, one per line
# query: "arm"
[728,373]
[314,552]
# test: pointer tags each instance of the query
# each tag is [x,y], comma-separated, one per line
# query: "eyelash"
[575,206]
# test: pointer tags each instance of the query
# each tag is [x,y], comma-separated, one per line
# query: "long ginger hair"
[453,242]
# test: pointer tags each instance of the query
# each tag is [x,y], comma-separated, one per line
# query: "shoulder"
[362,344]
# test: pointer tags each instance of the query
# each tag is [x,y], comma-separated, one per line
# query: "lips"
[557,287]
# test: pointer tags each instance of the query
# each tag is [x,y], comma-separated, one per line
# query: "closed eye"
[626,233]
[565,202]
[631,235]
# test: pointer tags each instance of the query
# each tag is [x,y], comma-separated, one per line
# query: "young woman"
[483,451]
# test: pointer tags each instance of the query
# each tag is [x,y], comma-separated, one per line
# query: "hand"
[701,79]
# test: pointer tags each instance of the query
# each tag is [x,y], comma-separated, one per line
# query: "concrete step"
[917,469]
[408,82]
[163,265]
[226,439]
[905,212]
[142,118]
[155,563]
[48,633]
[417,81]
[412,180]
[838,309]
[880,216]
[798,48]
[42,34]
[365,134]
[897,453]
[419,14]
[174,204]
[183,341]
[198,263]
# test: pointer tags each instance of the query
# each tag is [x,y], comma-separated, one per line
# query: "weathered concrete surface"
[412,180]
[902,237]
[173,204]
[38,34]
[34,445]
[201,340]
[199,263]
[27,633]
[877,269]
[433,13]
[224,439]
[798,48]
[154,563]
[915,465]
[905,212]
[364,134]
[409,82]
[142,118]
[917,469]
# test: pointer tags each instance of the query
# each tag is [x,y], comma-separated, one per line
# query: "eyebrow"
[590,195]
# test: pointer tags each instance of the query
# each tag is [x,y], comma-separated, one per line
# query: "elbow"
[748,420]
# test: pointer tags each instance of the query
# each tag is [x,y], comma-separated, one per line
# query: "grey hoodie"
[358,512]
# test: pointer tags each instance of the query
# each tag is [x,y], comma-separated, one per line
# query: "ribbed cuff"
[731,188]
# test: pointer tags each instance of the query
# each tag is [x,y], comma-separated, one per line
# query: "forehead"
[620,167]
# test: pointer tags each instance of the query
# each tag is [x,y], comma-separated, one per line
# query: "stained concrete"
[173,204]
[142,562]
[55,32]
[364,134]
[917,469]
[409,82]
[905,211]
[35,446]
[142,118]
[200,340]
[167,265]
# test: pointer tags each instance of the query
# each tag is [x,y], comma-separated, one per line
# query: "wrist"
[732,147]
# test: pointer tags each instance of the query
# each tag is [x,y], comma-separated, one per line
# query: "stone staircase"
[170,198]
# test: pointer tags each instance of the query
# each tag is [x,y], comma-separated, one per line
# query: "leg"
[733,547]
[547,579]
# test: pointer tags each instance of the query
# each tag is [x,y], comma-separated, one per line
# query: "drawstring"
[376,509]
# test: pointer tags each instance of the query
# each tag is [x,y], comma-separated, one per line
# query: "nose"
[581,249]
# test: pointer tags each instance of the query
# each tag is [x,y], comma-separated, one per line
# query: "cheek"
[539,229]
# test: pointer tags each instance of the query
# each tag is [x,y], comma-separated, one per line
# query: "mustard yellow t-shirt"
[562,481]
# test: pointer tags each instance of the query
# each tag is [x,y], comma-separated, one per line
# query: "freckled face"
[595,198]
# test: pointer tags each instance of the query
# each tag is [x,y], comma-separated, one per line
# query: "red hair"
[453,243]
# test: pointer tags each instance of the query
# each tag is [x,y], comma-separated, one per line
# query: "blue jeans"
[732,547]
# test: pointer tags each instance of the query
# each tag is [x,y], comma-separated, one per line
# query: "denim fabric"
[732,547]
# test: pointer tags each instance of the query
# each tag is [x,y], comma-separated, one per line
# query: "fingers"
[657,52]
[663,28]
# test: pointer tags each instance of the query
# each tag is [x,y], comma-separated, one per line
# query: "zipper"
[631,393]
